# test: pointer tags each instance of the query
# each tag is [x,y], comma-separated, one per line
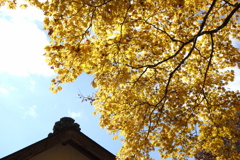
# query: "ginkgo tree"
[160,68]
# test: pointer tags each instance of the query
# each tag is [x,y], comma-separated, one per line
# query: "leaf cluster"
[160,67]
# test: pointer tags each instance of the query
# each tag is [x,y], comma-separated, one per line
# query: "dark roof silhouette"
[65,132]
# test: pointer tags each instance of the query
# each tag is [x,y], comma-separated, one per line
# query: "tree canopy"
[160,68]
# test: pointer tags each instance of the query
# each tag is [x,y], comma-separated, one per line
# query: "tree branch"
[105,2]
[209,62]
[237,6]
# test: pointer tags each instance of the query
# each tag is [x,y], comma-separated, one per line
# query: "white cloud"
[235,85]
[22,43]
[31,13]
[30,111]
[74,114]
[5,89]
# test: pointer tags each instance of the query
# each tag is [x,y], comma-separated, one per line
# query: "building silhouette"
[66,142]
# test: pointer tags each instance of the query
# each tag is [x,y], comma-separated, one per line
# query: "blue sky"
[28,109]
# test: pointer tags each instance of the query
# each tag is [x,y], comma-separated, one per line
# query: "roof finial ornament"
[64,123]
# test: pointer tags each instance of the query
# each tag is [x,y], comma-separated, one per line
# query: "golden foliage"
[158,67]
[13,4]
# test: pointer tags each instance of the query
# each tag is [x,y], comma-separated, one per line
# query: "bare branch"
[228,18]
[209,62]
[233,5]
